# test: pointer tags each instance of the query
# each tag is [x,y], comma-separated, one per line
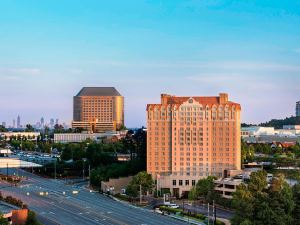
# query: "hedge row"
[197,216]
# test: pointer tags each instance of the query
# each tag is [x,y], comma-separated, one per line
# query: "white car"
[172,205]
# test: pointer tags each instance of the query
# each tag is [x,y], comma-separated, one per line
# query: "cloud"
[75,71]
[224,65]
[17,74]
[20,71]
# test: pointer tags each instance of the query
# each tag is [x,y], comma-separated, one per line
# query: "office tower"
[298,108]
[42,122]
[190,138]
[98,109]
[18,122]
[4,124]
[56,121]
[14,123]
[52,123]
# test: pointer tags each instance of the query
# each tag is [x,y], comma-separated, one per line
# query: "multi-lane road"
[58,204]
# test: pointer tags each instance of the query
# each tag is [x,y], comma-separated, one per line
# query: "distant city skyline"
[248,49]
[48,122]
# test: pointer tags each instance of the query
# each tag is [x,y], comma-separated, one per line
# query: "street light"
[83,171]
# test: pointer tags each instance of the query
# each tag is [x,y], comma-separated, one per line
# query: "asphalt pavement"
[71,204]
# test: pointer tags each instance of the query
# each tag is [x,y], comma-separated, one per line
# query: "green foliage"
[171,210]
[115,170]
[247,152]
[142,178]
[246,222]
[29,128]
[123,197]
[3,221]
[278,123]
[101,154]
[256,203]
[31,219]
[296,212]
[204,189]
[3,129]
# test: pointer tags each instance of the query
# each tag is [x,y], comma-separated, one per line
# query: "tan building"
[190,138]
[98,109]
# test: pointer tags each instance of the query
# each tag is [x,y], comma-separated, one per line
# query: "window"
[174,182]
[187,182]
[180,182]
[193,182]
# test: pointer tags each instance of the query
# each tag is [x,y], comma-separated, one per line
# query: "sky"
[50,49]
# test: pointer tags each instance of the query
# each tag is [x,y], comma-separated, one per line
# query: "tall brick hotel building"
[98,109]
[190,138]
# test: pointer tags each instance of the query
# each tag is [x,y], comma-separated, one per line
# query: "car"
[172,205]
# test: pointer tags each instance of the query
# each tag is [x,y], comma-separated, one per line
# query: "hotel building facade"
[98,109]
[190,138]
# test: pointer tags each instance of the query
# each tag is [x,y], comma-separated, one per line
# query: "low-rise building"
[13,214]
[227,186]
[80,137]
[257,131]
[115,185]
[32,136]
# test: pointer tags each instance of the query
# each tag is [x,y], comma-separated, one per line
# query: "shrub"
[218,222]
[171,210]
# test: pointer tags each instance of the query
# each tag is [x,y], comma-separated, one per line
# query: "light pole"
[157,177]
[55,169]
[140,194]
[208,213]
[83,171]
[89,175]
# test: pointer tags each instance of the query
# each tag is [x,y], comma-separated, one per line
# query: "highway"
[61,206]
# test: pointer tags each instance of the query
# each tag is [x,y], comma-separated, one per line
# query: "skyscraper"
[298,108]
[190,138]
[56,121]
[14,123]
[98,109]
[51,122]
[42,122]
[18,122]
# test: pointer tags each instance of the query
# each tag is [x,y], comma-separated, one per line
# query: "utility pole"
[215,214]
[140,194]
[89,175]
[208,213]
[83,170]
[157,186]
[214,221]
[55,169]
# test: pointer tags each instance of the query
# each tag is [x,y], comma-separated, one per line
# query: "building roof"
[98,91]
[204,100]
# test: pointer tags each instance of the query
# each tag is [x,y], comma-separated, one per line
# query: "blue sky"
[50,49]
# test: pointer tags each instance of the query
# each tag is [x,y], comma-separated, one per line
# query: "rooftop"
[98,91]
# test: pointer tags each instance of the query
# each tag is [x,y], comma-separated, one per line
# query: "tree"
[3,129]
[142,178]
[29,128]
[296,212]
[263,205]
[58,128]
[31,219]
[3,221]
[247,152]
[205,189]
[193,195]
